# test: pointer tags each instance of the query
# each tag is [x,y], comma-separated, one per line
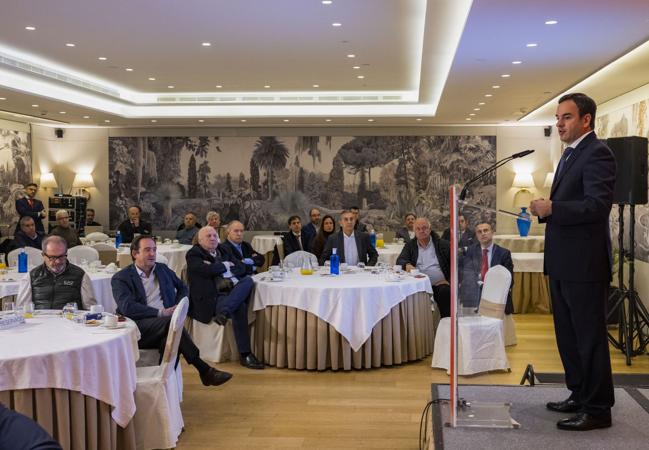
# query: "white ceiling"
[405,48]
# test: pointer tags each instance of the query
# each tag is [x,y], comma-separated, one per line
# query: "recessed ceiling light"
[316,85]
[488,95]
[505,75]
[153,120]
[30,28]
[171,86]
[128,69]
[418,119]
[243,120]
[532,44]
[86,117]
[468,118]
[517,62]
[351,55]
[69,44]
[360,77]
[107,121]
[481,103]
[206,44]
[327,120]
[327,2]
[551,22]
[476,109]
[34,106]
[3,98]
[336,24]
[218,86]
[286,120]
[201,120]
[495,86]
[61,112]
[472,114]
[370,120]
[102,58]
[356,67]
[267,86]
[151,78]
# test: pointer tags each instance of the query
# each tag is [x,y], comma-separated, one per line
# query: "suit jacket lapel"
[138,283]
[359,247]
[568,164]
[341,247]
[495,256]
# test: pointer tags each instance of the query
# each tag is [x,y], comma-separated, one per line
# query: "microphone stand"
[490,169]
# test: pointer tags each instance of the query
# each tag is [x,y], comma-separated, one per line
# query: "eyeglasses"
[55,257]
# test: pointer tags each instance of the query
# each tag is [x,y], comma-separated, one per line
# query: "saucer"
[115,327]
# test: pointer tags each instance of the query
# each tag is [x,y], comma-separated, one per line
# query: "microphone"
[521,154]
[490,169]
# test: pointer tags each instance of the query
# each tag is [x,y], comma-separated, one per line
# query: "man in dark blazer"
[293,240]
[219,290]
[467,236]
[241,249]
[134,225]
[408,228]
[30,206]
[432,256]
[352,246]
[578,261]
[147,293]
[311,229]
[473,265]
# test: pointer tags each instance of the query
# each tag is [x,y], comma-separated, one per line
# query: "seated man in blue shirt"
[241,249]
[147,293]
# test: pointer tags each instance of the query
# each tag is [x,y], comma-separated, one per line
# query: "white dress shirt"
[351,252]
[151,289]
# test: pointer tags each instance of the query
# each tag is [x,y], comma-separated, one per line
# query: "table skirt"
[531,293]
[76,421]
[287,337]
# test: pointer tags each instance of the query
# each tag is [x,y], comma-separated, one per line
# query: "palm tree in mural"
[270,154]
[309,144]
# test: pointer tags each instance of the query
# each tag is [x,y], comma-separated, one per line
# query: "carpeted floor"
[630,430]
[619,379]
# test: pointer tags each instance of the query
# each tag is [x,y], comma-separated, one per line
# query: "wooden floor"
[381,408]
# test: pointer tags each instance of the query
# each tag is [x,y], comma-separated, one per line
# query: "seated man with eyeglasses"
[56,282]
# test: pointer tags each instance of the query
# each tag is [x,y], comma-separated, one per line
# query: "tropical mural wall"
[15,173]
[263,180]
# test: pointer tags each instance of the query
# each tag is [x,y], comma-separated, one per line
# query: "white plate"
[115,327]
[394,281]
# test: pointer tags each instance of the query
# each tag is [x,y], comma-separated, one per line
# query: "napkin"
[111,268]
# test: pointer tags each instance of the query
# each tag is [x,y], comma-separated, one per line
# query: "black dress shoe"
[251,362]
[584,422]
[565,406]
[221,319]
[213,377]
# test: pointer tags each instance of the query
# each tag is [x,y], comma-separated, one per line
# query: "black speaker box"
[631,176]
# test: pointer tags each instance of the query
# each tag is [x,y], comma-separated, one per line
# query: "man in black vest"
[56,282]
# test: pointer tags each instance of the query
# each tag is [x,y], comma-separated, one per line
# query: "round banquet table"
[355,320]
[389,253]
[175,254]
[10,284]
[517,244]
[531,289]
[77,382]
[265,244]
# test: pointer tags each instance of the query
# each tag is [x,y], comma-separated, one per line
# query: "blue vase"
[524,223]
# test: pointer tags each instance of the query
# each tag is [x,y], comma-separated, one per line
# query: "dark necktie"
[564,158]
[31,202]
[485,263]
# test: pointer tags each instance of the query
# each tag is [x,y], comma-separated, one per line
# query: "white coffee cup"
[110,320]
[343,266]
[97,309]
[414,272]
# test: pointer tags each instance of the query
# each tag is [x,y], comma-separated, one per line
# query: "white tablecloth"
[52,352]
[389,253]
[264,243]
[100,285]
[352,303]
[175,253]
[517,244]
[528,262]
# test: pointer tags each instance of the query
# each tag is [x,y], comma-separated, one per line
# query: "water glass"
[68,310]
[28,310]
[8,306]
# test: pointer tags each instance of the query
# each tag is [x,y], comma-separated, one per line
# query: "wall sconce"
[549,178]
[81,182]
[48,180]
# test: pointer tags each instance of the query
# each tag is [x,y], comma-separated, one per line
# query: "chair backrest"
[297,258]
[495,289]
[96,236]
[107,252]
[80,252]
[176,327]
[161,259]
[34,257]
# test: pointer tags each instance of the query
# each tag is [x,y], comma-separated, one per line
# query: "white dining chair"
[82,252]
[481,338]
[96,236]
[34,257]
[158,419]
[296,259]
[215,342]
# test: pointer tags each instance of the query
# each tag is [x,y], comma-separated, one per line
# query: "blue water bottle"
[334,263]
[22,261]
[118,239]
[373,238]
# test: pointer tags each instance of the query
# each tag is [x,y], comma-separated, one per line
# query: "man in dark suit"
[294,240]
[352,246]
[32,207]
[28,236]
[133,225]
[219,289]
[578,261]
[431,256]
[241,249]
[408,231]
[148,292]
[311,229]
[358,225]
[467,236]
[474,264]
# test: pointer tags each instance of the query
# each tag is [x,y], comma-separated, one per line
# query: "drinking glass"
[361,265]
[28,310]
[8,306]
